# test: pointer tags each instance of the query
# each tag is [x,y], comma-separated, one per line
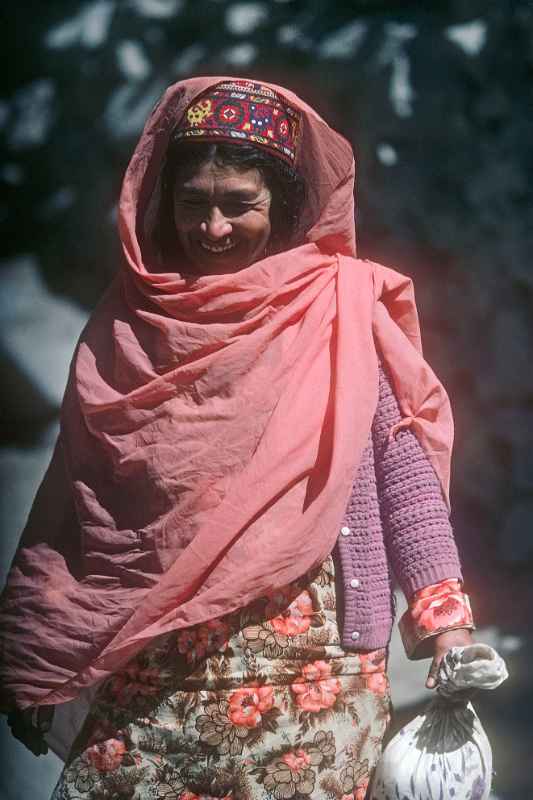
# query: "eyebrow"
[233,194]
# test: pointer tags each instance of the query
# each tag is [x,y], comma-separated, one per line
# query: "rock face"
[436,101]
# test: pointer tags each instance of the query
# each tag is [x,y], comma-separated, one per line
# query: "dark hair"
[285,184]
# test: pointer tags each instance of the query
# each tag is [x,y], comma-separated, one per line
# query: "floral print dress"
[263,703]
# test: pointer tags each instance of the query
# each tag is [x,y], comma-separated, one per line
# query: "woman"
[251,443]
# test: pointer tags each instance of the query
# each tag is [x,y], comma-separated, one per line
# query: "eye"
[190,203]
[229,208]
[234,208]
[190,208]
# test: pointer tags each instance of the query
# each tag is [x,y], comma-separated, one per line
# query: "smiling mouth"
[217,249]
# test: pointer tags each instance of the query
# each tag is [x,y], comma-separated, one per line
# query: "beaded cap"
[241,110]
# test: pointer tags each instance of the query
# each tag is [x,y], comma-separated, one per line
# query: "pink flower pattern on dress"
[373,670]
[290,775]
[295,618]
[316,690]
[247,705]
[103,730]
[296,760]
[106,756]
[192,796]
[373,661]
[377,682]
[358,794]
[253,719]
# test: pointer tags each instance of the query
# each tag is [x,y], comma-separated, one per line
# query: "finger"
[433,673]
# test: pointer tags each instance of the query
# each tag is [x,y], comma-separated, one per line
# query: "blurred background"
[436,99]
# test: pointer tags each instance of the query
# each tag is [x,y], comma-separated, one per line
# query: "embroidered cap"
[241,110]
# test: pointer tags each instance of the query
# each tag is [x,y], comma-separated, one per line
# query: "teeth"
[217,248]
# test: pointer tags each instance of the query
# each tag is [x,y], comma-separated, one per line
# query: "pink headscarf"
[211,429]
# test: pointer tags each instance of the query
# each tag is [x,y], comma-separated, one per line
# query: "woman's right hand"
[29,727]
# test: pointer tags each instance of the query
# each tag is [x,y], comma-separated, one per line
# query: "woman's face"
[222,217]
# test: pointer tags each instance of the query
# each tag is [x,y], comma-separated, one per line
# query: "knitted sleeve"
[418,534]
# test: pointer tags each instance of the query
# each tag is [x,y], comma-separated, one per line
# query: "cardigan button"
[345,531]
[355,635]
[354,583]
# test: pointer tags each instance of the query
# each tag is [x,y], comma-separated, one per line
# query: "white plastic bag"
[444,753]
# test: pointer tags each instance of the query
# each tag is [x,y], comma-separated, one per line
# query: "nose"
[216,225]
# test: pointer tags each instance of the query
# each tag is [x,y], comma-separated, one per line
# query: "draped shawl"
[211,428]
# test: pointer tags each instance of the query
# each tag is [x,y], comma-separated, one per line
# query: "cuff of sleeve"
[433,610]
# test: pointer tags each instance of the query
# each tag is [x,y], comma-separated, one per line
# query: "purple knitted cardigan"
[396,522]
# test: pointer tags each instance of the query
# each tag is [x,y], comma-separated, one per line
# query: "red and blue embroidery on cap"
[244,110]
